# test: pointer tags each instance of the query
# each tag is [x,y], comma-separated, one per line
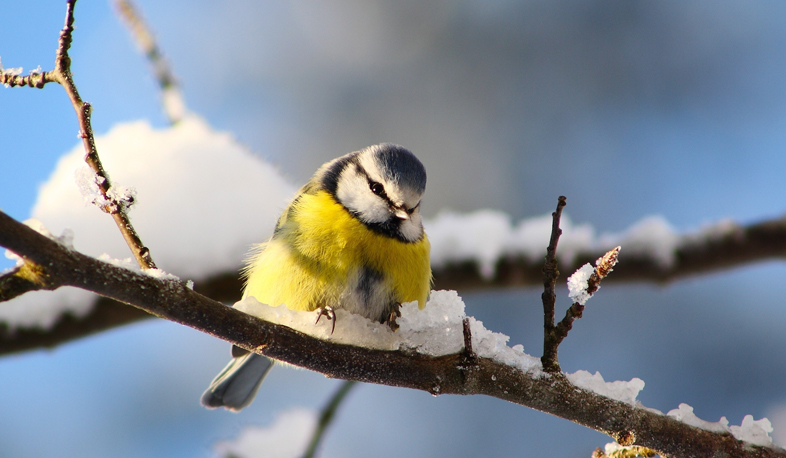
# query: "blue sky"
[628,108]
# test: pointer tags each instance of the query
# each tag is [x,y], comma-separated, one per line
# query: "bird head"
[380,185]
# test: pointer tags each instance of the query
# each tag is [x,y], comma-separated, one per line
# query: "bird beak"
[400,213]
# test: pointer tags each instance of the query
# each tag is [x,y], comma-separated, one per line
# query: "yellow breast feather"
[318,248]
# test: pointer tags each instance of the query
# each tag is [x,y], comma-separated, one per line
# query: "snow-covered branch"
[720,246]
[463,372]
[654,251]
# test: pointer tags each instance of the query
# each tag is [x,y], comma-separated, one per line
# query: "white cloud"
[202,199]
[287,437]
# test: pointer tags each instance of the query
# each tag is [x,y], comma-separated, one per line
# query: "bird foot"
[328,312]
[395,312]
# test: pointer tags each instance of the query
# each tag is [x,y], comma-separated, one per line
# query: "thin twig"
[62,75]
[603,267]
[550,275]
[35,79]
[328,413]
[172,99]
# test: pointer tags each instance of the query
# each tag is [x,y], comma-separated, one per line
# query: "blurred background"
[628,108]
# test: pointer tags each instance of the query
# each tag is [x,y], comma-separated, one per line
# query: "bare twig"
[553,394]
[550,275]
[62,75]
[172,99]
[35,79]
[328,413]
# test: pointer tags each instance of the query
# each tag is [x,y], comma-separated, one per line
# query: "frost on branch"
[619,390]
[89,184]
[586,281]
[757,432]
[578,284]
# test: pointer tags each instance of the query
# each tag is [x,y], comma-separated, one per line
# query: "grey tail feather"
[235,387]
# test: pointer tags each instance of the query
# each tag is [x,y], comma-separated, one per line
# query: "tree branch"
[724,246]
[172,100]
[554,335]
[696,254]
[450,374]
[550,275]
[326,417]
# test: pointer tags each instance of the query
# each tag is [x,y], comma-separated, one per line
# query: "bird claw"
[395,312]
[328,312]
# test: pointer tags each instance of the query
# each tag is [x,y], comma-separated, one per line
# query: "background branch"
[704,252]
[172,100]
[327,415]
[451,374]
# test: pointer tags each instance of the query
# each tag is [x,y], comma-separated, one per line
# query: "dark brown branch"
[106,314]
[550,275]
[449,374]
[467,338]
[20,280]
[695,255]
[83,109]
[560,331]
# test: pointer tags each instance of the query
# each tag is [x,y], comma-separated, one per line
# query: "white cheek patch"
[353,192]
[412,229]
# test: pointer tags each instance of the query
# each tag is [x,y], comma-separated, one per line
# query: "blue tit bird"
[351,239]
